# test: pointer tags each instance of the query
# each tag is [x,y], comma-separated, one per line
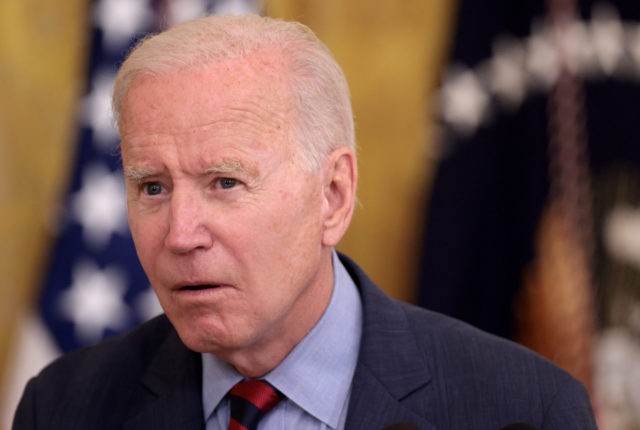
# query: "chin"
[203,336]
[198,342]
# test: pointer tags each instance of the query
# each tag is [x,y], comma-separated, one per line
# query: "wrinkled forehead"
[231,109]
[252,88]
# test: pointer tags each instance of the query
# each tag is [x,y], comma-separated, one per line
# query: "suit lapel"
[391,374]
[173,394]
[372,407]
[388,385]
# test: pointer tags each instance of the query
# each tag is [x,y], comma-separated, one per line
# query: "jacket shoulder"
[471,379]
[94,387]
[136,346]
[480,371]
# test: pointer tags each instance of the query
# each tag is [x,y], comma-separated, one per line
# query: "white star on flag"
[608,37]
[508,79]
[96,110]
[464,101]
[622,234]
[542,60]
[580,56]
[94,302]
[147,304]
[234,7]
[120,19]
[183,10]
[100,205]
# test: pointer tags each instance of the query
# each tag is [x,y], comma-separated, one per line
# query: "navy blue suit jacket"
[414,366]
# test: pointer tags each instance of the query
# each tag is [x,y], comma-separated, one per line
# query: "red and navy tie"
[250,401]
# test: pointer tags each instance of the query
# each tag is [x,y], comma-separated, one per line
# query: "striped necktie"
[250,401]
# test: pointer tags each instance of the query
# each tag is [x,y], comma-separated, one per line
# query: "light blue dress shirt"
[315,377]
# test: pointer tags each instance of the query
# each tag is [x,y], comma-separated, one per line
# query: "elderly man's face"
[228,227]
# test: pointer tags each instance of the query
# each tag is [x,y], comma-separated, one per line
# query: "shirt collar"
[325,351]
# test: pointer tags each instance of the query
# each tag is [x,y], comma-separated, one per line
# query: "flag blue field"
[500,173]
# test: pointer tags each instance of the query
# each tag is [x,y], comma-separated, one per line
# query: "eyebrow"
[231,166]
[137,174]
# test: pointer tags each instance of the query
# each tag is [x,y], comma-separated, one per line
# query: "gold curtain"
[42,45]
[391,53]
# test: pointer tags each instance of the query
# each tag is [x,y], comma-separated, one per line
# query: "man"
[238,150]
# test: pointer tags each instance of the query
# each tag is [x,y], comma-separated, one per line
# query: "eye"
[152,188]
[227,183]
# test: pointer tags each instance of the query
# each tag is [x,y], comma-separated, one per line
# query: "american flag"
[522,78]
[94,286]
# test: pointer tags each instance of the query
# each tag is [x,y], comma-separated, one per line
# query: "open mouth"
[199,287]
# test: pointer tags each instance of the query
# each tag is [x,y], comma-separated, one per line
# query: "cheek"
[148,236]
[306,210]
[297,230]
[268,238]
[291,220]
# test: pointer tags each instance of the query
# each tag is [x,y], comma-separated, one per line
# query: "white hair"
[323,115]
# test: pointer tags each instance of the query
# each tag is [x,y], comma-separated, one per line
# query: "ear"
[340,182]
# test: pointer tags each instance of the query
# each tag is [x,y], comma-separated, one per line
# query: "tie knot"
[250,401]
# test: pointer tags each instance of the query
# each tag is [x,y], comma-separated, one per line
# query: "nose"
[188,229]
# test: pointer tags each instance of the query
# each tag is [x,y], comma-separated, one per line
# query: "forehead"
[230,95]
